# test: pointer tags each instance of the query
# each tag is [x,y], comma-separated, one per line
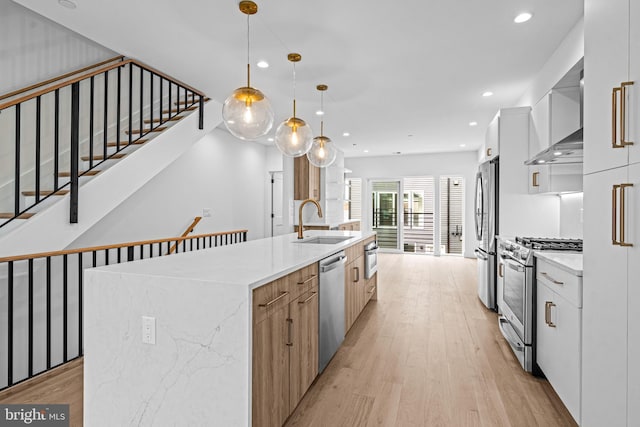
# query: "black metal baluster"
[80,303]
[151,99]
[161,102]
[226,239]
[141,102]
[38,139]
[244,236]
[201,113]
[130,104]
[17,164]
[75,149]
[216,240]
[95,259]
[170,106]
[141,252]
[197,243]
[130,254]
[56,139]
[191,245]
[10,324]
[30,308]
[105,130]
[118,101]
[184,245]
[92,85]
[106,257]
[48,312]
[65,311]
[119,255]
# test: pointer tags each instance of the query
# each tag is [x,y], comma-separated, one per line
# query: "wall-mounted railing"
[48,133]
[41,299]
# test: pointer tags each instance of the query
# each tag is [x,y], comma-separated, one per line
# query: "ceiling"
[403,77]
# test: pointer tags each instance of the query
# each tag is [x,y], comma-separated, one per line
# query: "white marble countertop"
[329,224]
[569,261]
[251,263]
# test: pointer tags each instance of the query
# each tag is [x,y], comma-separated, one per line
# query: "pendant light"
[247,113]
[323,152]
[294,135]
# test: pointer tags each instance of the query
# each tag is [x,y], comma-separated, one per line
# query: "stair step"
[125,143]
[101,157]
[9,215]
[31,193]
[172,119]
[194,107]
[81,173]
[158,129]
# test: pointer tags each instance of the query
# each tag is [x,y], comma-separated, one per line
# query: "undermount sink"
[324,240]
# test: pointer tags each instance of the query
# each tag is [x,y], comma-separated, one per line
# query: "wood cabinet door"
[350,296]
[270,373]
[558,346]
[304,349]
[306,183]
[604,306]
[607,37]
[361,286]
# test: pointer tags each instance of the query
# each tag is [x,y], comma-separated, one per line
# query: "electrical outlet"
[206,212]
[148,330]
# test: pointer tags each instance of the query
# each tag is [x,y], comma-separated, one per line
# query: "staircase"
[77,146]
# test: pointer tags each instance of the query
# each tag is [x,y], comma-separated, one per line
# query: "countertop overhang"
[569,261]
[253,263]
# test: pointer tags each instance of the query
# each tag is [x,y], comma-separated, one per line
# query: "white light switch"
[148,330]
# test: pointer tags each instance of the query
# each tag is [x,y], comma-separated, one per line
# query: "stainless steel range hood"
[568,150]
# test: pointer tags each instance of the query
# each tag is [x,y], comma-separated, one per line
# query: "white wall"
[565,56]
[219,172]
[571,216]
[34,49]
[463,164]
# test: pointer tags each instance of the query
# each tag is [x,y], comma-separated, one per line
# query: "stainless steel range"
[517,303]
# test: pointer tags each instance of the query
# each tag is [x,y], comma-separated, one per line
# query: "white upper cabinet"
[634,75]
[633,294]
[539,130]
[606,68]
[491,148]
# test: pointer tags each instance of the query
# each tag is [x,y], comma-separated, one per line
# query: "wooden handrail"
[186,232]
[95,73]
[116,246]
[62,77]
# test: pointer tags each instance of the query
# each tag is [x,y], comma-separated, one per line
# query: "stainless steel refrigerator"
[486,224]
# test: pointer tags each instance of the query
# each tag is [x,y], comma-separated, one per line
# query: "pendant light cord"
[294,89]
[248,58]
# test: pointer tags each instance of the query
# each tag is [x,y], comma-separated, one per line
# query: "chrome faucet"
[300,226]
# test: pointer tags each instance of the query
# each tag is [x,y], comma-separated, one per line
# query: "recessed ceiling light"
[263,64]
[319,113]
[557,153]
[366,151]
[346,134]
[67,3]
[270,139]
[463,145]
[541,161]
[487,93]
[473,123]
[523,17]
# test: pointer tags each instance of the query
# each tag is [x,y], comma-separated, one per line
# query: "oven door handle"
[509,335]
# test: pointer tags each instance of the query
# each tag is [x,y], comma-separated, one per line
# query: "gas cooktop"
[549,244]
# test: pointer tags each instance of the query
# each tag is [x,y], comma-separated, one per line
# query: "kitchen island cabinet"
[201,368]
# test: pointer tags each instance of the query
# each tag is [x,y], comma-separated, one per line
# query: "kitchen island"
[198,310]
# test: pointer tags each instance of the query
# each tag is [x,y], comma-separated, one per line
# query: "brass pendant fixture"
[323,152]
[294,135]
[247,113]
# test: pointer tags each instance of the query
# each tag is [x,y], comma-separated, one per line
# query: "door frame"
[400,216]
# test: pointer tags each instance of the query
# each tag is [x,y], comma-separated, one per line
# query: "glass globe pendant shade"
[294,137]
[247,113]
[322,153]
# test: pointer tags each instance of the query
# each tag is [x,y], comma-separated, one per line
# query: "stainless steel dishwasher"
[331,307]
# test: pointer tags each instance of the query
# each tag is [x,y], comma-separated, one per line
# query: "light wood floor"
[427,353]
